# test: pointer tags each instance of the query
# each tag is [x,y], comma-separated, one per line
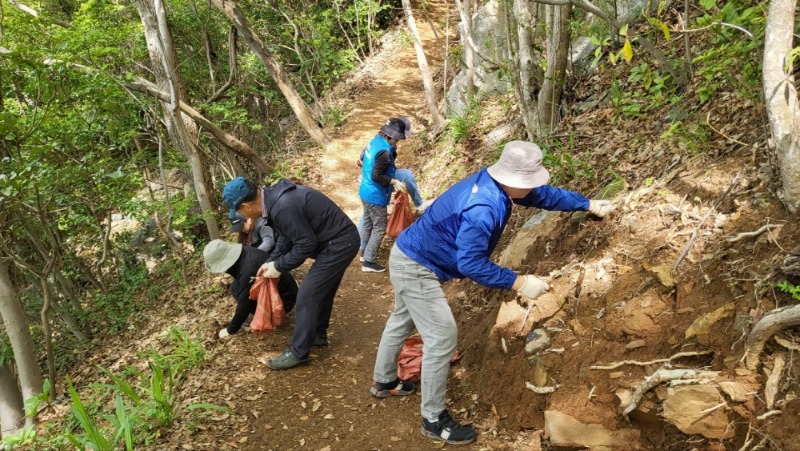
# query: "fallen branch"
[772,323]
[697,229]
[771,388]
[766,415]
[612,366]
[754,233]
[663,375]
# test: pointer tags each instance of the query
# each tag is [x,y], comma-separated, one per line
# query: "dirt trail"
[326,405]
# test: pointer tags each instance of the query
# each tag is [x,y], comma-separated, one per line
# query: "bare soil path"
[327,405]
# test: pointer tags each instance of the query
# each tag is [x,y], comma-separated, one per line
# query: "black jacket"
[304,221]
[244,271]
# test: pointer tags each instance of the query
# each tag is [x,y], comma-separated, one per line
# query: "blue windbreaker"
[456,235]
[369,190]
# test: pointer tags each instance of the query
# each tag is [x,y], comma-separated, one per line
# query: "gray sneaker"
[285,361]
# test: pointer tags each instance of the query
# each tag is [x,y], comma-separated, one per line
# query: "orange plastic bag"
[401,216]
[409,362]
[269,309]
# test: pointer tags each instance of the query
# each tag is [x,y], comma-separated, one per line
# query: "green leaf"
[627,51]
[623,31]
[707,4]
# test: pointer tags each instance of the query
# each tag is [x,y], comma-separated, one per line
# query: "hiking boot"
[372,267]
[395,388]
[319,342]
[285,361]
[448,430]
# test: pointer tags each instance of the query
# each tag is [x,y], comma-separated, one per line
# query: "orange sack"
[409,362]
[269,311]
[401,216]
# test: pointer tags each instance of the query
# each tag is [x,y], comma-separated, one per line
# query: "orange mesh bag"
[269,309]
[401,216]
[409,362]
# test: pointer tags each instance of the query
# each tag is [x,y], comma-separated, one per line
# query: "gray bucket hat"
[221,255]
[397,128]
[520,166]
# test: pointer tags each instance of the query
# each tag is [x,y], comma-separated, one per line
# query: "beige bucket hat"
[221,255]
[520,166]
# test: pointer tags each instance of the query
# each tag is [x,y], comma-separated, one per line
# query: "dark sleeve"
[300,234]
[244,306]
[282,247]
[382,162]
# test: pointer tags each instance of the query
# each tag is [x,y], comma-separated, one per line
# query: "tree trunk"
[183,131]
[781,97]
[11,407]
[30,376]
[549,101]
[427,79]
[469,55]
[301,110]
[520,23]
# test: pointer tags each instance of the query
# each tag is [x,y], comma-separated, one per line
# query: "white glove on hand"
[398,185]
[269,271]
[224,333]
[532,287]
[600,208]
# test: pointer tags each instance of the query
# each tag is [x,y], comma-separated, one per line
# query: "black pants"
[316,293]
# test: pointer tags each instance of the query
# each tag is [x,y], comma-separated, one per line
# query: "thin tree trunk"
[549,99]
[182,130]
[301,110]
[520,25]
[16,325]
[780,94]
[427,79]
[48,336]
[232,65]
[469,54]
[11,407]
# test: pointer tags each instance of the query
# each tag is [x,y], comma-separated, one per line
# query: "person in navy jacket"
[454,239]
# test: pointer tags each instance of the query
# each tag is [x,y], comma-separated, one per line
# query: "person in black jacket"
[307,224]
[243,263]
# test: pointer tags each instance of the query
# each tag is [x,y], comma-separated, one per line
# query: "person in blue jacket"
[454,239]
[377,180]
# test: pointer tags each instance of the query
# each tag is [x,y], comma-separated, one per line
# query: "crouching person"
[454,239]
[242,263]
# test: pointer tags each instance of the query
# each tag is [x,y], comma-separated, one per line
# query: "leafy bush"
[793,290]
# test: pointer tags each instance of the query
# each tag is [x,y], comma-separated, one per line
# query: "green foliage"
[113,309]
[24,437]
[151,399]
[733,58]
[793,290]
[333,117]
[461,126]
[564,166]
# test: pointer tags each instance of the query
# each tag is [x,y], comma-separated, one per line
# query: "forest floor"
[611,298]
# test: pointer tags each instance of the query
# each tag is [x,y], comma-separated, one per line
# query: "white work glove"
[398,185]
[532,287]
[224,333]
[269,271]
[600,208]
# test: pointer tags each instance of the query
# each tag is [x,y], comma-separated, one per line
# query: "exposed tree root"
[615,365]
[663,375]
[772,323]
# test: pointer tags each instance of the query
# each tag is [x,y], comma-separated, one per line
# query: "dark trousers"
[316,293]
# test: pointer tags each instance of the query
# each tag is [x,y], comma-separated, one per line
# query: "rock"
[638,324]
[536,341]
[616,374]
[702,325]
[564,430]
[501,134]
[539,374]
[635,344]
[737,391]
[691,409]
[664,275]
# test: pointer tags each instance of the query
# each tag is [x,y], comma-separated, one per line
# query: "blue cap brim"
[232,214]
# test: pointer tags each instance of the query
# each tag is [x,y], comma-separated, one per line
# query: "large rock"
[695,409]
[565,431]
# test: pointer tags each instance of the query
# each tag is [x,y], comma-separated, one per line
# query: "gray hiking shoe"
[285,361]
